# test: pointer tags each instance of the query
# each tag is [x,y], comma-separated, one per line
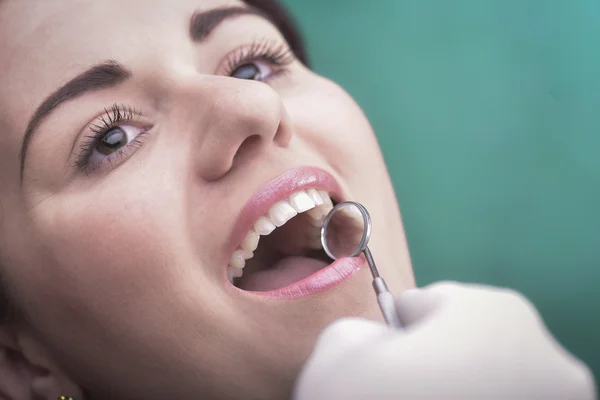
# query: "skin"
[119,272]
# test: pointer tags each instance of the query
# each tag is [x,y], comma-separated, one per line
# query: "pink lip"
[280,189]
[328,277]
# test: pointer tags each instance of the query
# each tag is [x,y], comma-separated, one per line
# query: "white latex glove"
[459,342]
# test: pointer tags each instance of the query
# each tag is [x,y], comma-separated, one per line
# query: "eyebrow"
[103,75]
[203,23]
[110,73]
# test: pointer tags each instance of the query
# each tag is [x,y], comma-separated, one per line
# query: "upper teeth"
[316,204]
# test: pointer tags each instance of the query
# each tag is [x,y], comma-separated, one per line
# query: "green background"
[488,113]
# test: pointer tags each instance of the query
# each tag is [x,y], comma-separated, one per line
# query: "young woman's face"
[140,181]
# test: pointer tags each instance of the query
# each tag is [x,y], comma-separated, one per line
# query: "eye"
[113,142]
[259,61]
[114,138]
[257,71]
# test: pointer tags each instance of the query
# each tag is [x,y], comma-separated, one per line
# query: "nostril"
[248,147]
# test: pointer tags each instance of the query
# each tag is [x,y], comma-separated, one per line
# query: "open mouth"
[284,245]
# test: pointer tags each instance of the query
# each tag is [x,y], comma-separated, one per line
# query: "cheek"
[335,126]
[109,256]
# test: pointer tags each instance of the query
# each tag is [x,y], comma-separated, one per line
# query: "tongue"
[285,272]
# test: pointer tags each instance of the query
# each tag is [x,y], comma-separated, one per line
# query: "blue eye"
[253,71]
[259,61]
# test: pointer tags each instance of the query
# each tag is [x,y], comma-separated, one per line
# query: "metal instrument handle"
[386,303]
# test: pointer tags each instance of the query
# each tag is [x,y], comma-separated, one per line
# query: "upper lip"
[278,189]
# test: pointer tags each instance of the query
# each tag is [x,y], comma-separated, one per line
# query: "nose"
[236,120]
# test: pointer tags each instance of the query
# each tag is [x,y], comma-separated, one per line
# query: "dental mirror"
[345,233]
[346,230]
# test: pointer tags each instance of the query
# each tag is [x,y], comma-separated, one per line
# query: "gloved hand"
[458,342]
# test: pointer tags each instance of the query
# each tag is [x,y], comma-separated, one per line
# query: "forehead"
[49,41]
[51,28]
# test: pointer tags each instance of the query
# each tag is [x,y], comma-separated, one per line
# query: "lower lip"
[326,278]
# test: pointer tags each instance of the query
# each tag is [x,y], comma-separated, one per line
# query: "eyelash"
[277,55]
[112,118]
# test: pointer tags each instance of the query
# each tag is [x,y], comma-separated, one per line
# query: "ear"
[27,372]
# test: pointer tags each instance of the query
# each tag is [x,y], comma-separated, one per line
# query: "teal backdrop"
[488,114]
